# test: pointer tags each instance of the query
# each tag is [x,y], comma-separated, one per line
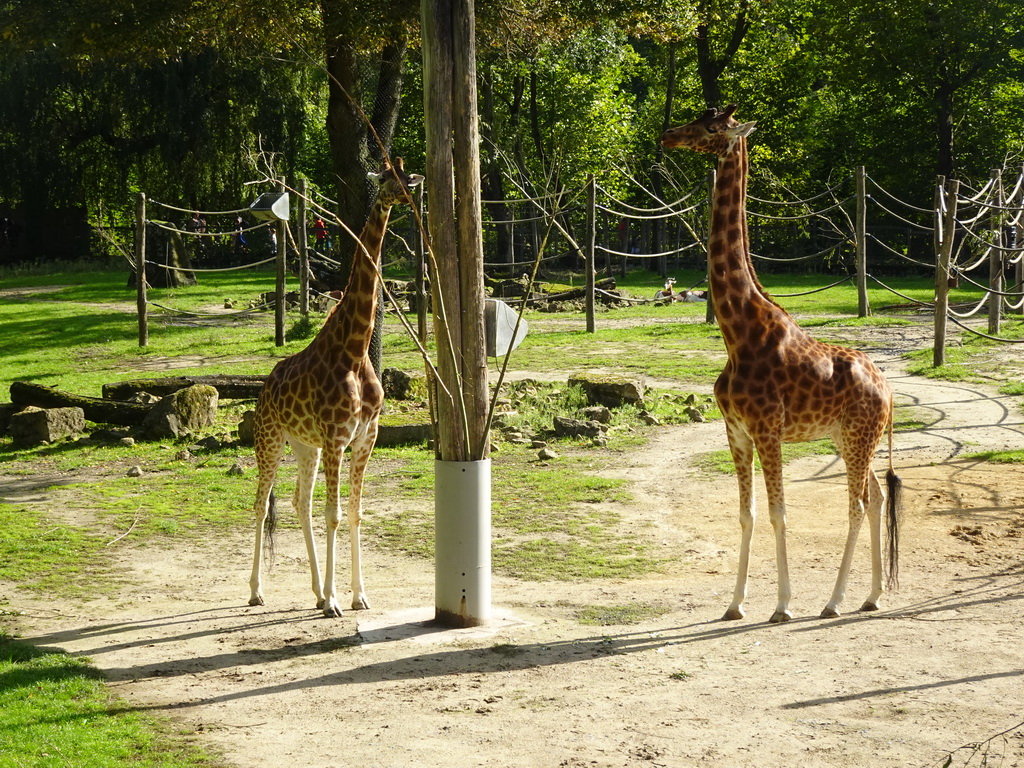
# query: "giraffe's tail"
[894,512]
[271,527]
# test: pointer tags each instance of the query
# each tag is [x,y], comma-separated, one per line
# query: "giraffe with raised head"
[780,385]
[325,399]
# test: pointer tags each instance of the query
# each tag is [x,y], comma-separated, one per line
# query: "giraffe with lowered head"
[780,385]
[325,399]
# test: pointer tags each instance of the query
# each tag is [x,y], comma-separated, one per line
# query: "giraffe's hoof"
[256,600]
[733,614]
[779,617]
[869,606]
[829,613]
[331,609]
[360,603]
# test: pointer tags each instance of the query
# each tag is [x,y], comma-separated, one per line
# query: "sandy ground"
[939,667]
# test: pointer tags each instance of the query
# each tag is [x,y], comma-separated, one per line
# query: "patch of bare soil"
[940,666]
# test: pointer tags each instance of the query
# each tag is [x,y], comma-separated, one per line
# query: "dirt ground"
[939,667]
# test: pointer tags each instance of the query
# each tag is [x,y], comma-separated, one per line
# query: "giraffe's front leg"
[308,460]
[332,472]
[742,449]
[357,468]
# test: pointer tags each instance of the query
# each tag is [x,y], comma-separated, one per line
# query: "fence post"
[995,256]
[591,242]
[300,235]
[945,231]
[140,268]
[421,264]
[1018,231]
[861,237]
[279,288]
[709,309]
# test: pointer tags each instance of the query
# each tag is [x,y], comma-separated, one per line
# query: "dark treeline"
[187,101]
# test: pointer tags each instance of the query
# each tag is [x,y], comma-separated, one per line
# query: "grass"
[619,615]
[55,711]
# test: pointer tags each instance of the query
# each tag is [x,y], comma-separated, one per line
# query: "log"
[96,409]
[228,387]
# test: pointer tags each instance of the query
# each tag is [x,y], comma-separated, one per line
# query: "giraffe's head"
[714,132]
[394,183]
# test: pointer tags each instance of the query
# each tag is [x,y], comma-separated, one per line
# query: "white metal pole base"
[462,542]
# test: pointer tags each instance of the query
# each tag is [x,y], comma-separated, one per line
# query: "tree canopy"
[175,96]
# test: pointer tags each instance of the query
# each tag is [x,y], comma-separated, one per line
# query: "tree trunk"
[96,409]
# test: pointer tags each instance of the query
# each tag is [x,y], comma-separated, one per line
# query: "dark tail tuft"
[268,537]
[894,512]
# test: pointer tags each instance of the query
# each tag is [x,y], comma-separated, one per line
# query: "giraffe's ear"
[745,129]
[415,180]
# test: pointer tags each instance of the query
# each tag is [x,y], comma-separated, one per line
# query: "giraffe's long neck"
[354,317]
[738,297]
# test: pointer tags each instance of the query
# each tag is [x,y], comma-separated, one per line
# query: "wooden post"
[709,310]
[861,238]
[140,268]
[279,287]
[945,234]
[591,243]
[300,235]
[995,257]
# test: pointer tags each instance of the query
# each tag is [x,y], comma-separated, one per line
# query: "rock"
[245,428]
[6,411]
[399,385]
[128,442]
[649,419]
[35,426]
[546,454]
[187,410]
[569,427]
[610,390]
[236,469]
[135,471]
[598,413]
[183,455]
[695,415]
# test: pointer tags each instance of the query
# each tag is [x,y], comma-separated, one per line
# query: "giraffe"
[780,385]
[323,399]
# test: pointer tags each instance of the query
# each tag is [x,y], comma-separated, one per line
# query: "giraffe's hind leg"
[863,493]
[308,461]
[268,458]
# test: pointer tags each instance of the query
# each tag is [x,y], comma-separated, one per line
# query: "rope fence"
[973,236]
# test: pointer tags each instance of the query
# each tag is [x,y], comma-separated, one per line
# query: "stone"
[695,415]
[236,469]
[650,419]
[546,454]
[135,471]
[598,413]
[36,426]
[612,391]
[566,426]
[6,411]
[184,412]
[245,428]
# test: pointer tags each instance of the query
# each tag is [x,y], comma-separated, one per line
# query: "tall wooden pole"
[709,309]
[462,471]
[140,268]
